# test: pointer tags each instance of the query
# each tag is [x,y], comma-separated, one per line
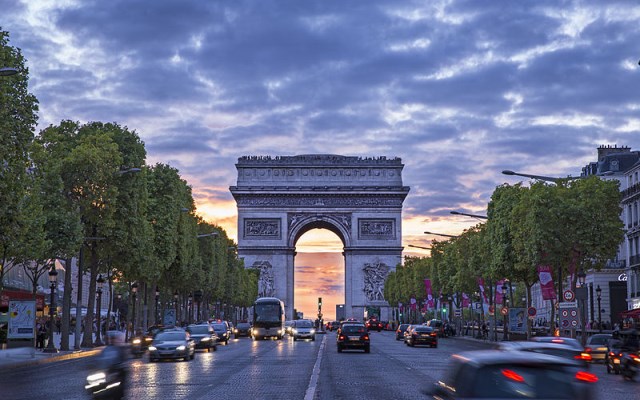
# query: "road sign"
[569,316]
[457,313]
[504,311]
[531,311]
[568,295]
[567,304]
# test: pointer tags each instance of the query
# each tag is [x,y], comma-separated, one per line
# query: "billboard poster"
[169,317]
[22,319]
[427,286]
[546,282]
[517,320]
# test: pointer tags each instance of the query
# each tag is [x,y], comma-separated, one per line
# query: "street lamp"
[6,71]
[134,295]
[53,277]
[440,234]
[504,305]
[419,247]
[175,301]
[190,307]
[99,283]
[599,297]
[581,296]
[157,305]
[197,295]
[119,298]
[469,215]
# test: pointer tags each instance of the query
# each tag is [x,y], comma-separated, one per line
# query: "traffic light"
[444,309]
[319,301]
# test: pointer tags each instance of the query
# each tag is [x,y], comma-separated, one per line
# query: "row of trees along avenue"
[84,191]
[568,225]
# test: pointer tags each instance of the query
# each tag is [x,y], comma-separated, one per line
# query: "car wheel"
[435,346]
[313,339]
[193,355]
[339,349]
[226,342]
[295,338]
[152,359]
[215,348]
[367,349]
[608,369]
[186,358]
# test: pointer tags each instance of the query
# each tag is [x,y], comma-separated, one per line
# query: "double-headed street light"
[189,308]
[99,283]
[157,305]
[599,297]
[505,287]
[53,278]
[175,302]
[581,296]
[469,215]
[440,234]
[134,295]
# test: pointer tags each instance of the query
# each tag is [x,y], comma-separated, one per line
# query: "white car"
[303,329]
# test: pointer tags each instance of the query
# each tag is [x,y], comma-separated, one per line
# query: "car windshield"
[199,329]
[244,325]
[423,329]
[220,327]
[518,381]
[171,336]
[304,324]
[599,339]
[353,329]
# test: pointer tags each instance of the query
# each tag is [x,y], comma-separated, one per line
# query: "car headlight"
[313,331]
[95,380]
[294,331]
[205,339]
[180,348]
[148,339]
[235,331]
[152,348]
[280,332]
[136,341]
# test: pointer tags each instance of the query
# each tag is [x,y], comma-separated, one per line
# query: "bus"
[268,318]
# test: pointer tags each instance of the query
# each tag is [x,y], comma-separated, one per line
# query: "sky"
[459,90]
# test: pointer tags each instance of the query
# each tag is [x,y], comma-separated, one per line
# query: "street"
[269,369]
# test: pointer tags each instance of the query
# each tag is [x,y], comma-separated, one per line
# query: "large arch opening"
[319,271]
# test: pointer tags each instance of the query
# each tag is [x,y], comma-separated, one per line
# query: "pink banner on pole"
[499,293]
[413,303]
[546,282]
[466,302]
[481,285]
[427,288]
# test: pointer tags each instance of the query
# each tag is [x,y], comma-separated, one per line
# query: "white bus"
[268,318]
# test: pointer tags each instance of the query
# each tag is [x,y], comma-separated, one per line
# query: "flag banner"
[427,287]
[499,294]
[546,282]
[413,304]
[481,285]
[466,301]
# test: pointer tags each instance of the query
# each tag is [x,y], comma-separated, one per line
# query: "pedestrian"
[42,335]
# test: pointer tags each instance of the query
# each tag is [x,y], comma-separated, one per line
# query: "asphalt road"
[270,369]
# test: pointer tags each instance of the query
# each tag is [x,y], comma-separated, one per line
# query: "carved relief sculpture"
[374,277]
[262,228]
[266,286]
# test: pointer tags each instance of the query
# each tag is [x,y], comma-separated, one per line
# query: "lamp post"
[157,305]
[469,215]
[197,295]
[581,296]
[119,307]
[599,297]
[175,301]
[99,283]
[53,277]
[134,295]
[504,305]
[189,308]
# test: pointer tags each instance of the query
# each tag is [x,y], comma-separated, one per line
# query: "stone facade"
[359,199]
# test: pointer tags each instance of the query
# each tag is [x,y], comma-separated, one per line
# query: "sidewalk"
[26,356]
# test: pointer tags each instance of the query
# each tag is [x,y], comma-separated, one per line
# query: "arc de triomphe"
[357,198]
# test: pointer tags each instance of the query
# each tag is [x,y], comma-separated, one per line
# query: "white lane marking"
[315,374]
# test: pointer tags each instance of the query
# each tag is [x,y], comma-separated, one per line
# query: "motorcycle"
[612,360]
[629,365]
[106,384]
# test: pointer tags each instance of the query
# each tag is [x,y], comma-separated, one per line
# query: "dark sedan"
[514,374]
[223,331]
[204,337]
[422,335]
[550,348]
[353,336]
[242,329]
[402,328]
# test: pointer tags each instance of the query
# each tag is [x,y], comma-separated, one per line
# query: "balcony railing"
[616,264]
[630,191]
[634,260]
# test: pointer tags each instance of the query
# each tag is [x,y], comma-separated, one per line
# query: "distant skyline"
[459,89]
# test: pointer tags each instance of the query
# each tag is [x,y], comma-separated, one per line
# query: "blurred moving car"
[287,327]
[421,334]
[597,346]
[204,336]
[140,343]
[353,336]
[498,374]
[550,348]
[374,324]
[172,344]
[303,329]
[559,340]
[242,329]
[437,326]
[222,330]
[400,330]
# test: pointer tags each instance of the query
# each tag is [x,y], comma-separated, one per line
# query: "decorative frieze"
[262,228]
[376,229]
[320,201]
[343,219]
[374,276]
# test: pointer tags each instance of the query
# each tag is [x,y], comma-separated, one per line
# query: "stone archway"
[359,199]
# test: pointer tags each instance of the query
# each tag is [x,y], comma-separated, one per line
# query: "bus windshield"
[268,313]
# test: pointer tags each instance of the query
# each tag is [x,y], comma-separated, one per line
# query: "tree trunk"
[87,339]
[66,306]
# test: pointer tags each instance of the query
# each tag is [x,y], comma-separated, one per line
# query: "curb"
[49,359]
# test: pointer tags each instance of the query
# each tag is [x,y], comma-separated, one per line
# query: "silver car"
[303,329]
[172,344]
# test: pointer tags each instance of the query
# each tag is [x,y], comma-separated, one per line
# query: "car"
[303,329]
[400,330]
[353,336]
[348,321]
[242,329]
[287,327]
[499,374]
[598,345]
[333,326]
[421,334]
[374,324]
[172,344]
[551,348]
[559,340]
[204,336]
[222,330]
[437,326]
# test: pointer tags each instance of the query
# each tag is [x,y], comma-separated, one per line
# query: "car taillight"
[365,337]
[341,337]
[611,353]
[433,334]
[586,377]
[583,356]
[588,349]
[635,357]
[514,376]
